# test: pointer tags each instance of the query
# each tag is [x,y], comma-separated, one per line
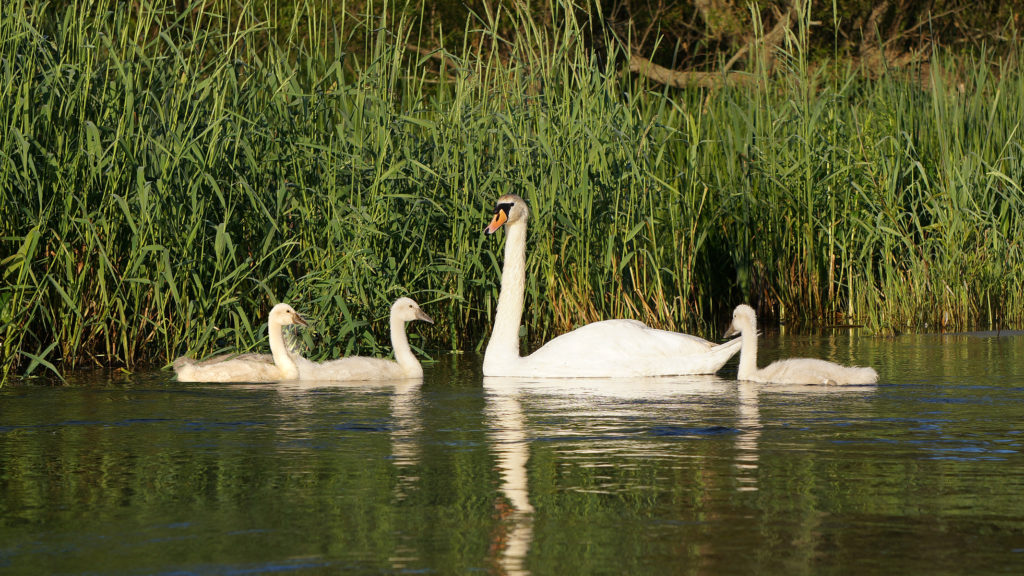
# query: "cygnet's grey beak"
[298,319]
[421,315]
[732,331]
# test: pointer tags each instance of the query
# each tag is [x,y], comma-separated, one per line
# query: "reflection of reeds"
[163,181]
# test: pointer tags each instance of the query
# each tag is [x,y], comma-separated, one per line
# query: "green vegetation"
[166,177]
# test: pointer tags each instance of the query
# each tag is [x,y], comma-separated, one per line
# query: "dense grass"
[165,180]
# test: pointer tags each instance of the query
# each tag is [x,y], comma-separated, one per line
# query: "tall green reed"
[166,178]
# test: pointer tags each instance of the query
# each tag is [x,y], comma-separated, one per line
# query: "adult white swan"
[611,348]
[248,367]
[405,364]
[792,370]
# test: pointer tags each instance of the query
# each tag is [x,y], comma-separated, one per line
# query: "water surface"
[922,473]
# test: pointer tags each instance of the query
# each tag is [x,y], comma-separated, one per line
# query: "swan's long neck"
[504,342]
[282,359]
[748,353]
[403,352]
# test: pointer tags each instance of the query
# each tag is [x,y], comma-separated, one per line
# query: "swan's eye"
[503,207]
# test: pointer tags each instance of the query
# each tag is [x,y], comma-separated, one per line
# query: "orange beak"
[500,217]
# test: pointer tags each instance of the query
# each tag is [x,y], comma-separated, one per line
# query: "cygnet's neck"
[504,343]
[403,352]
[282,359]
[748,352]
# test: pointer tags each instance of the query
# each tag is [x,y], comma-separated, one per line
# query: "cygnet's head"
[284,314]
[743,318]
[510,208]
[406,309]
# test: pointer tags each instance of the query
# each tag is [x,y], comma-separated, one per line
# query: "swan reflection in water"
[405,429]
[589,399]
[405,403]
[592,400]
[749,419]
[749,422]
[509,441]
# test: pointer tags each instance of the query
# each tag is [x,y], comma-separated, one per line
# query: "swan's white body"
[792,370]
[608,349]
[405,364]
[248,367]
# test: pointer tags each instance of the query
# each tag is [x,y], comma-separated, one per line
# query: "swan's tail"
[733,345]
[715,357]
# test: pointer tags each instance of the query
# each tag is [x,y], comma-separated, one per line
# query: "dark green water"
[923,473]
